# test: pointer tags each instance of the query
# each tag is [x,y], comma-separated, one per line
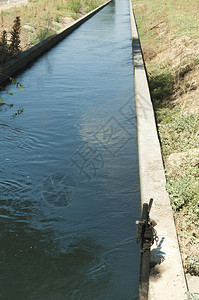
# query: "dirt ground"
[7,5]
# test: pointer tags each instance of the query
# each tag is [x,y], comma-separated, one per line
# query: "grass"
[161,84]
[75,6]
[58,19]
[92,4]
[192,296]
[168,31]
[178,131]
[40,36]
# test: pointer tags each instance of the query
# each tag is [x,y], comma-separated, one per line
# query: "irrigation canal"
[69,182]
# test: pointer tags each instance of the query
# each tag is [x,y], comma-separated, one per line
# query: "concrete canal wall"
[15,65]
[167,279]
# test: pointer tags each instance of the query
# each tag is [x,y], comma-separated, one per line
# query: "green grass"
[178,132]
[192,296]
[183,192]
[58,19]
[161,84]
[193,266]
[75,6]
[92,4]
[39,36]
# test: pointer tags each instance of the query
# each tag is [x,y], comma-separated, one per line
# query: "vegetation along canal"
[69,176]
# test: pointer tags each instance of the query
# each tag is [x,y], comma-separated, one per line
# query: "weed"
[192,296]
[75,6]
[57,19]
[187,65]
[58,6]
[6,13]
[192,264]
[183,192]
[56,27]
[196,60]
[161,86]
[92,4]
[41,35]
[186,69]
[178,133]
[74,15]
[164,115]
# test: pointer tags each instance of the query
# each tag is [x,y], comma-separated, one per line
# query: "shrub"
[3,47]
[15,37]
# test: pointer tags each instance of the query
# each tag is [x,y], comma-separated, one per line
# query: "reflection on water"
[69,170]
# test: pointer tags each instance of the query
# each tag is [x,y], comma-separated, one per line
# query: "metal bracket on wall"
[146,234]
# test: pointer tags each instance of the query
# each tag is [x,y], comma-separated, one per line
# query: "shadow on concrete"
[138,55]
[157,256]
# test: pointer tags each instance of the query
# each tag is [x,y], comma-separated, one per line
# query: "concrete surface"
[167,278]
[15,65]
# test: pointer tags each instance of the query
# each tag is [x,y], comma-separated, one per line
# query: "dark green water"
[69,184]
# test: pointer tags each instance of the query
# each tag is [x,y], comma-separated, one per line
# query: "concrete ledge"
[15,65]
[167,279]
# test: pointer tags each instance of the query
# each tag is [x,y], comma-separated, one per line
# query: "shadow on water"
[39,266]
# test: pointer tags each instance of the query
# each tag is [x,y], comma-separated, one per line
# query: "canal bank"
[167,279]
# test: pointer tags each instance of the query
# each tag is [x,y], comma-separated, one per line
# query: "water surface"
[69,184]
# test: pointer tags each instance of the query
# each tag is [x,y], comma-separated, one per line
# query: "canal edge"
[17,64]
[167,278]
